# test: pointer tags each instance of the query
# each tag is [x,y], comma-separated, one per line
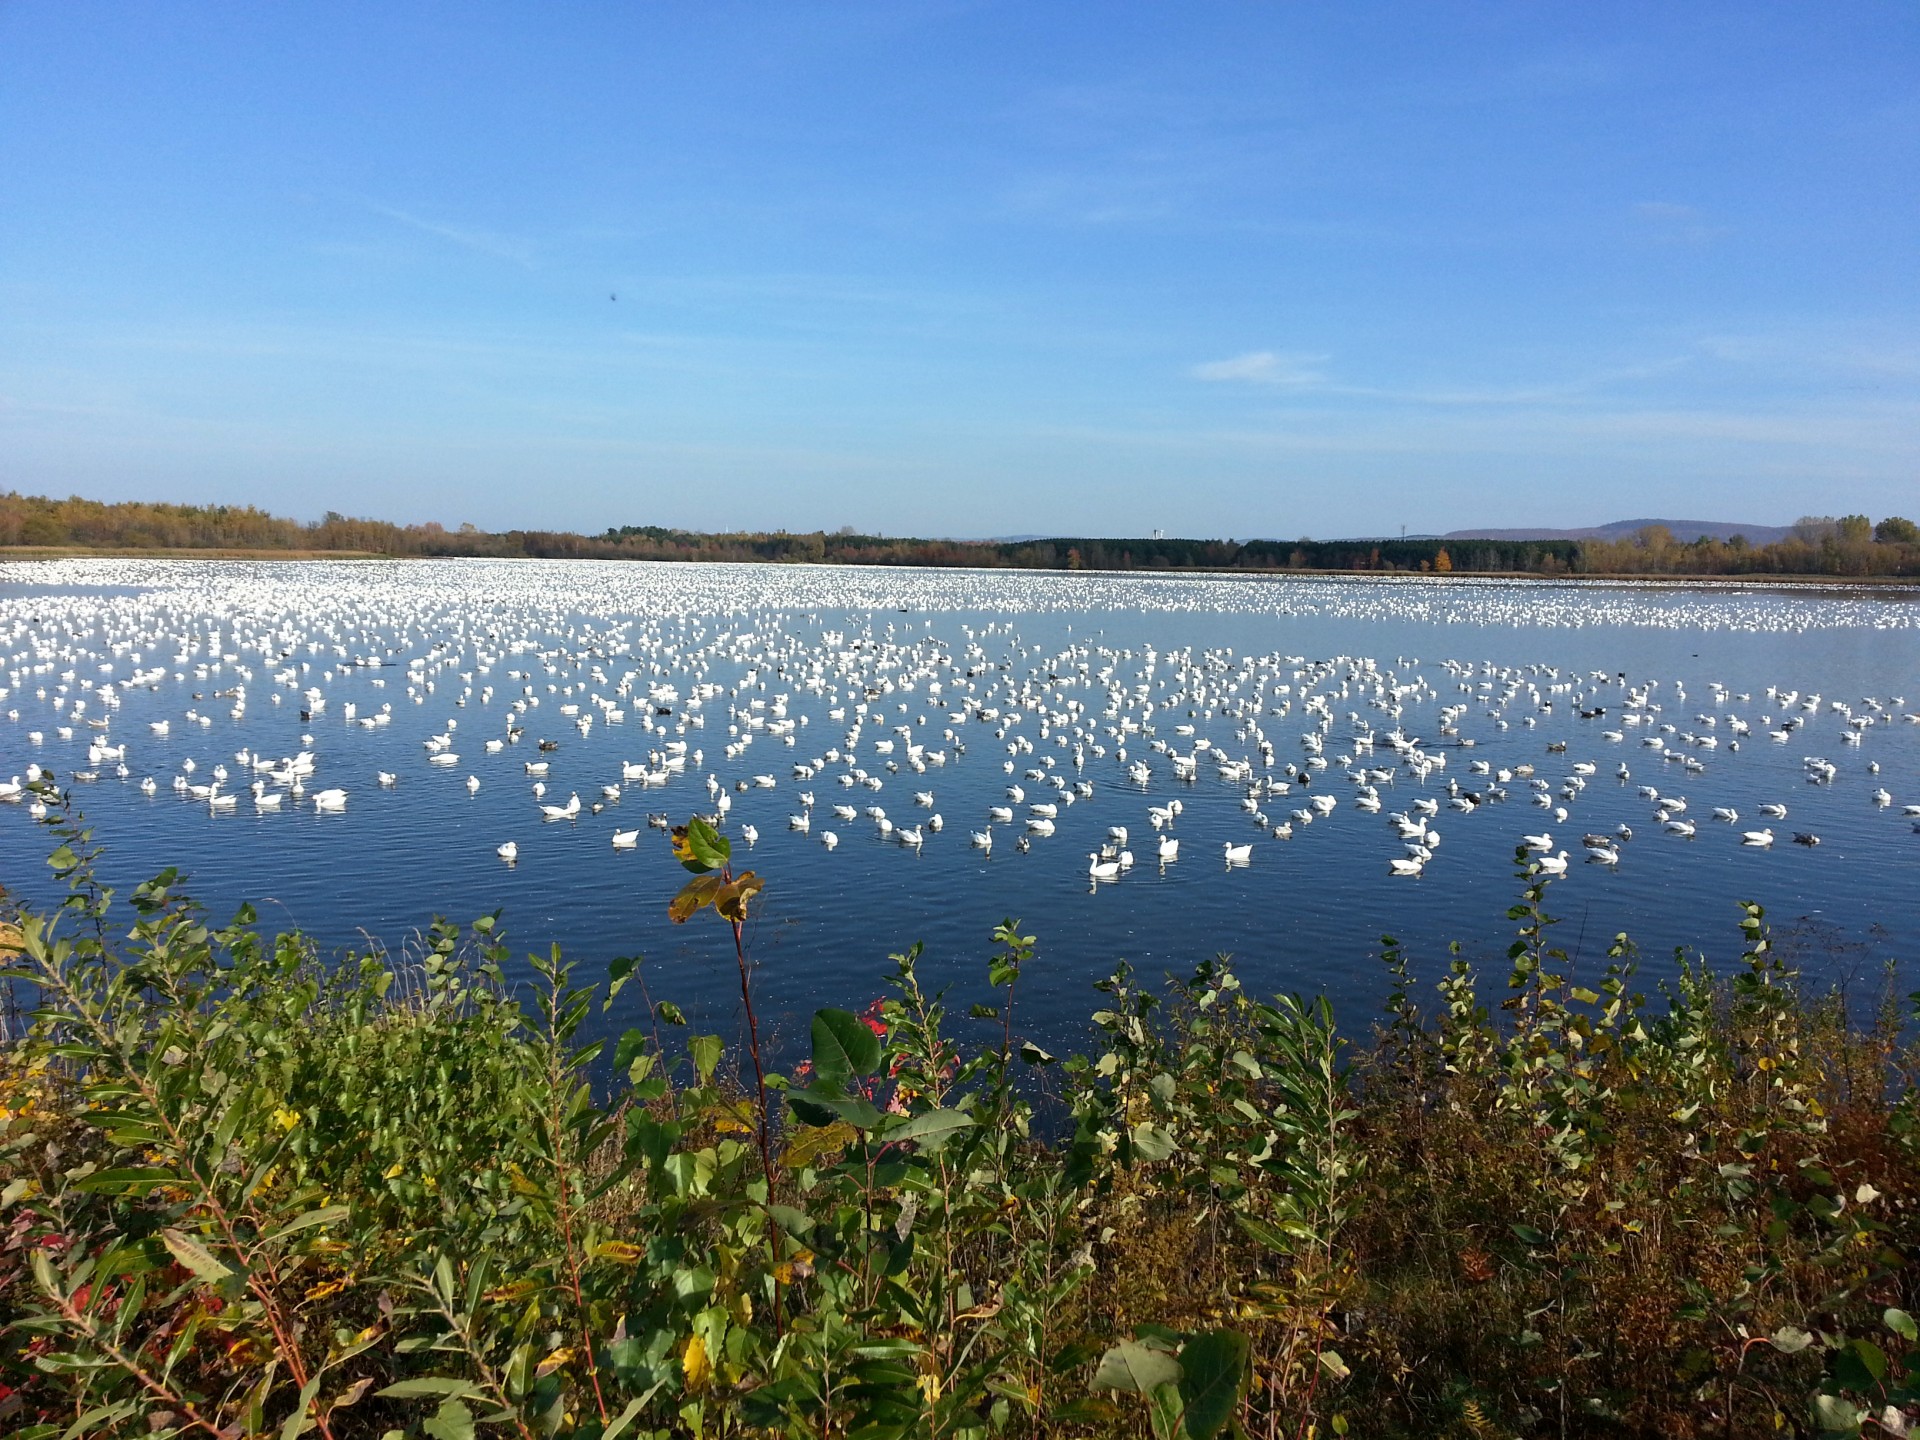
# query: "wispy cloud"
[1301,371]
[1266,367]
[1668,223]
[481,242]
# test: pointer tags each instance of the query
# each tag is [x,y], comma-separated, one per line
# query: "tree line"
[1849,545]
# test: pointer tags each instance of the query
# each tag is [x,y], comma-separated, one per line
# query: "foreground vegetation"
[1819,545]
[248,1193]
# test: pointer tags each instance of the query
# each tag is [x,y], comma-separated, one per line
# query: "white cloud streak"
[1265,367]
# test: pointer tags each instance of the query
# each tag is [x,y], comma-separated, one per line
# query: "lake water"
[1074,666]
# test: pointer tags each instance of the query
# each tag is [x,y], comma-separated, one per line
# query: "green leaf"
[1132,1367]
[821,1105]
[1270,1236]
[446,1385]
[843,1046]
[796,1223]
[1331,1362]
[325,1215]
[1212,1369]
[1901,1323]
[934,1124]
[1151,1142]
[625,1418]
[618,973]
[699,847]
[195,1256]
[452,1421]
[127,1180]
[632,1043]
[706,1051]
[1089,1410]
[1872,1359]
[1837,1416]
[302,1418]
[1789,1340]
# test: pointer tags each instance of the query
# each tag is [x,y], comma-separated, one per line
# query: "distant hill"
[1685,531]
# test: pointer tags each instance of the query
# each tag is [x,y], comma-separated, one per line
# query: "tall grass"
[250,1193]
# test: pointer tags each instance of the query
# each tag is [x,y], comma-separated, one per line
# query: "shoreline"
[45,553]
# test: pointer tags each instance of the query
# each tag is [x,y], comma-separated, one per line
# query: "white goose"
[562,812]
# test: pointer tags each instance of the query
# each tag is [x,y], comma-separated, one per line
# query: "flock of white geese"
[280,689]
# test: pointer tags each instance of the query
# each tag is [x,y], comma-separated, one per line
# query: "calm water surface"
[714,657]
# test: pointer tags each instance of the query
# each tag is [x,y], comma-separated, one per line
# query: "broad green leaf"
[1151,1142]
[795,1222]
[1132,1367]
[699,847]
[934,1124]
[452,1421]
[1213,1367]
[1872,1358]
[1789,1340]
[843,1047]
[821,1105]
[1837,1416]
[706,1051]
[195,1256]
[1901,1323]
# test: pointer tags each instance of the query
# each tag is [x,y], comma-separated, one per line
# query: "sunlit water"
[705,655]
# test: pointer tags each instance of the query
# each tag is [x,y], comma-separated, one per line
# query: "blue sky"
[965,269]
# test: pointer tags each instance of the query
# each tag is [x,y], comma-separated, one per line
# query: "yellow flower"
[286,1119]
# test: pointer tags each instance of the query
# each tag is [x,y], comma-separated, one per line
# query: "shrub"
[249,1193]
